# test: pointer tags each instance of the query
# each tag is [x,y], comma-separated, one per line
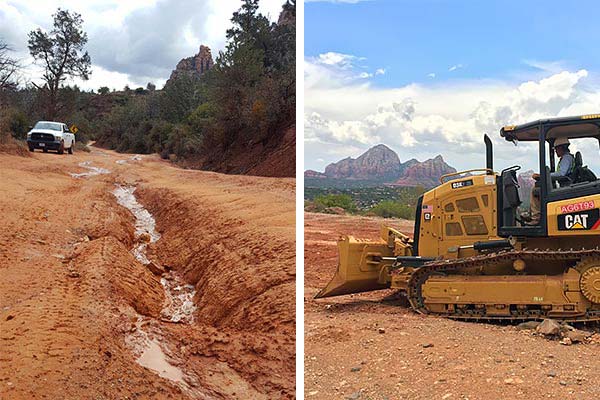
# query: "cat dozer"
[474,257]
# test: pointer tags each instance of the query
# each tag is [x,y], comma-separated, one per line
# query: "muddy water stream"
[92,171]
[178,308]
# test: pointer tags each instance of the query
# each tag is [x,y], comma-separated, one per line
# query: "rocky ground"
[370,346]
[82,318]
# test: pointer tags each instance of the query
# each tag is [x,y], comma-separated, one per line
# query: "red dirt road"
[73,299]
[370,346]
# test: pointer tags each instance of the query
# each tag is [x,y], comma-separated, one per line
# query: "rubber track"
[420,276]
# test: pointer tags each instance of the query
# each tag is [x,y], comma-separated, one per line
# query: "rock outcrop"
[379,163]
[287,16]
[426,173]
[382,164]
[196,65]
[310,173]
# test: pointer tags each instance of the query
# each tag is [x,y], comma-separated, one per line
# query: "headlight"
[28,135]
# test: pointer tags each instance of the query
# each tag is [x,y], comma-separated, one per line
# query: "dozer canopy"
[567,127]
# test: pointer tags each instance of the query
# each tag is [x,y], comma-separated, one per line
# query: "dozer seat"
[581,173]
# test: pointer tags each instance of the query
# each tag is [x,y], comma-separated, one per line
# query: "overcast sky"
[429,77]
[130,42]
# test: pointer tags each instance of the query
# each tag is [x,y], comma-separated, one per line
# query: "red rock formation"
[426,173]
[196,65]
[382,164]
[379,162]
[309,173]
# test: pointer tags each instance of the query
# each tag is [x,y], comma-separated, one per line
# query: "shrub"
[15,122]
[392,209]
[334,200]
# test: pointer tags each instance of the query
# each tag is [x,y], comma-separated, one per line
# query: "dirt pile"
[8,145]
[130,282]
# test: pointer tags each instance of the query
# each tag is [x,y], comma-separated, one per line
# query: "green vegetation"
[383,201]
[392,209]
[323,202]
[61,54]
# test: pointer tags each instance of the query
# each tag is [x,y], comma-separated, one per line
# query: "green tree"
[103,90]
[335,200]
[180,97]
[61,52]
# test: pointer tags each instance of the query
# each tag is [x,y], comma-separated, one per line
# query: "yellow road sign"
[73,128]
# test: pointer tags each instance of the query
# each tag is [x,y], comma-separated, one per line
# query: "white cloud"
[134,41]
[455,67]
[431,75]
[380,71]
[448,118]
[546,66]
[340,60]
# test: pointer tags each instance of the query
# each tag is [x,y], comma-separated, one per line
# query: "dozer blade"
[360,268]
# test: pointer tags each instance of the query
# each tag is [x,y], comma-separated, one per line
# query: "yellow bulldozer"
[473,256]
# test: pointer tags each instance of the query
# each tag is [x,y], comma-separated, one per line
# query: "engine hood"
[50,131]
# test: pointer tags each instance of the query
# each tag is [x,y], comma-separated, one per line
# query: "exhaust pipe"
[489,157]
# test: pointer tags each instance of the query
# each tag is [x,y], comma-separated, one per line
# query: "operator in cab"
[566,166]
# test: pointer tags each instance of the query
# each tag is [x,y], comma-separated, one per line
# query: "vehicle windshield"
[48,125]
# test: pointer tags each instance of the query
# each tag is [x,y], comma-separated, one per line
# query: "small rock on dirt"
[548,327]
[551,374]
[381,330]
[354,396]
[566,341]
[145,238]
[528,325]
[73,274]
[355,369]
[576,335]
[427,345]
[513,381]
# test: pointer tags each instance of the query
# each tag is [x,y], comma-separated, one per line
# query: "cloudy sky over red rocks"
[130,42]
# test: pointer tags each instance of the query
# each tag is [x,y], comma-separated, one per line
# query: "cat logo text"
[584,220]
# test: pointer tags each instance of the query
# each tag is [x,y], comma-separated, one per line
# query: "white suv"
[47,135]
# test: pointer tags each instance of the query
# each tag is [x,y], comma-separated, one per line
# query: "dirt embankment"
[73,295]
[370,346]
[274,156]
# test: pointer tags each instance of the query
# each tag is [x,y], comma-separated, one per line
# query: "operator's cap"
[561,141]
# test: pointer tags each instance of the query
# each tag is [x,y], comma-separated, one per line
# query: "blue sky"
[458,67]
[489,39]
